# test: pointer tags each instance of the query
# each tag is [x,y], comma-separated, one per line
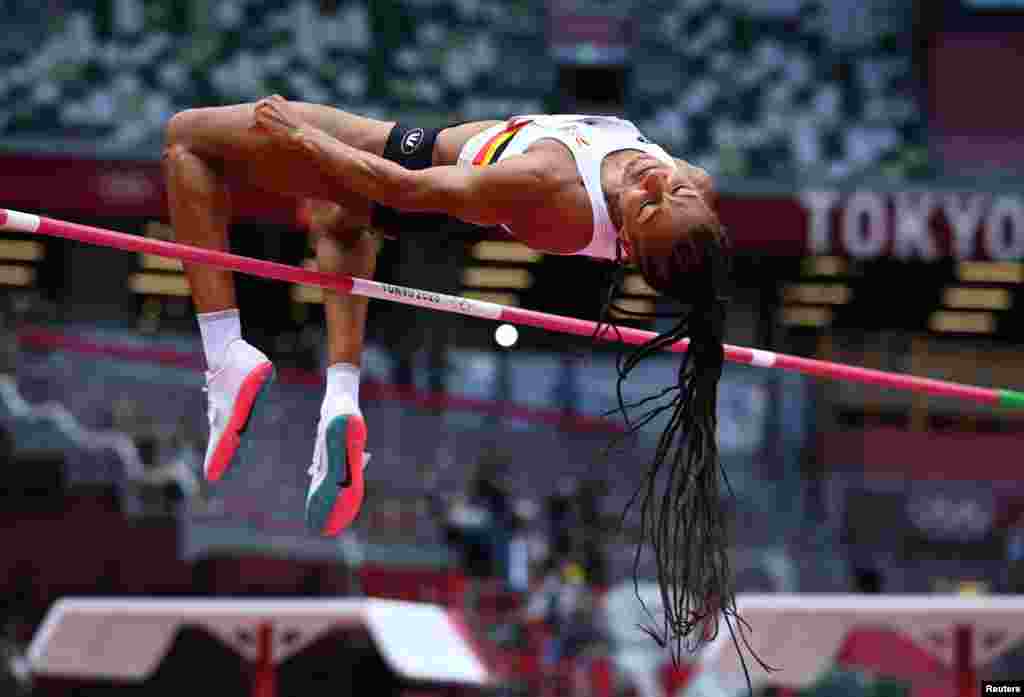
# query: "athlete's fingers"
[278,120]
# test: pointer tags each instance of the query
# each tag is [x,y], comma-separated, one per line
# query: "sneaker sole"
[253,388]
[337,500]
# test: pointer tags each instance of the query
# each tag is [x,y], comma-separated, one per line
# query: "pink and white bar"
[34,224]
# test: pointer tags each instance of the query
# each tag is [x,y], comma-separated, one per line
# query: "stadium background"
[868,163]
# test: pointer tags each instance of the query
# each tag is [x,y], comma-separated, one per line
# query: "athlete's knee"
[179,128]
[173,154]
[180,138]
[181,166]
[353,254]
[192,176]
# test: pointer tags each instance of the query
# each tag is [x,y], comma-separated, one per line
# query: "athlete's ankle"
[342,393]
[218,330]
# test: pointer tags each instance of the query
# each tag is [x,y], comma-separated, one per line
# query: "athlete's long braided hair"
[684,522]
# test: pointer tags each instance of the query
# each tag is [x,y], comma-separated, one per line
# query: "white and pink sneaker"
[336,489]
[232,391]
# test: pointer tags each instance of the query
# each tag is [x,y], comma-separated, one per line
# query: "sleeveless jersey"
[589,138]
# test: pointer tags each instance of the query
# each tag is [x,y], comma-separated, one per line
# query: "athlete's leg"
[203,146]
[226,135]
[205,149]
[200,209]
[343,246]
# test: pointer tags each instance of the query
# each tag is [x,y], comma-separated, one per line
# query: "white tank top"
[589,138]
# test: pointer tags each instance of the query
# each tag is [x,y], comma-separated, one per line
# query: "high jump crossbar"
[40,225]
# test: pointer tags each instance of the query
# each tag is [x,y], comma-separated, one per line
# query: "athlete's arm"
[480,195]
[488,196]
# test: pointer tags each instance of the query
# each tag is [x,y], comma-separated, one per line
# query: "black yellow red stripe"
[493,148]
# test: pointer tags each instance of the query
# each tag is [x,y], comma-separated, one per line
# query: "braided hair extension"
[684,524]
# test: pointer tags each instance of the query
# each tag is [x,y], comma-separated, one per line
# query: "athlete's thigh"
[225,135]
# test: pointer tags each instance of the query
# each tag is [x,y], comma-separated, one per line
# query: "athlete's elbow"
[477,208]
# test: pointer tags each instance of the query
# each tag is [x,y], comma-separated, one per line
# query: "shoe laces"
[212,412]
[319,462]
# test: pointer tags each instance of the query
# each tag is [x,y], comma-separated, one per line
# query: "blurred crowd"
[816,90]
[546,554]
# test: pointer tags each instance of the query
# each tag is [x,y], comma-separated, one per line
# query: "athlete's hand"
[276,118]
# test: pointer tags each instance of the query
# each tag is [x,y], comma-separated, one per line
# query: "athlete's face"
[659,203]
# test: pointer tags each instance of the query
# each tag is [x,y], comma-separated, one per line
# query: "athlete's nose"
[653,182]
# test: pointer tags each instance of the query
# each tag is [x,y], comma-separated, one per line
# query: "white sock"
[218,330]
[342,388]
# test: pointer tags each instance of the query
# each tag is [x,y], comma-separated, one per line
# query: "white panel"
[421,642]
[128,638]
[800,634]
